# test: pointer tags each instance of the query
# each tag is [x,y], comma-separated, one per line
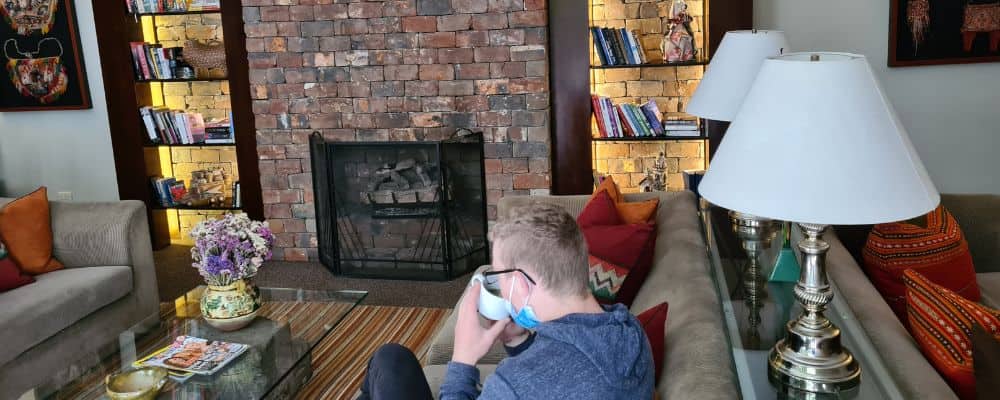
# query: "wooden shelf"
[154,14]
[649,138]
[227,200]
[653,65]
[182,80]
[190,145]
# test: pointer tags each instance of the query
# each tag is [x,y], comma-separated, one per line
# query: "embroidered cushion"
[26,229]
[606,279]
[941,322]
[654,323]
[627,246]
[938,251]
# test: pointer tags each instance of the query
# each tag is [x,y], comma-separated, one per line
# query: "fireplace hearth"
[401,210]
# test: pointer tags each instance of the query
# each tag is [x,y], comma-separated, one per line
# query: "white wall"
[951,112]
[64,150]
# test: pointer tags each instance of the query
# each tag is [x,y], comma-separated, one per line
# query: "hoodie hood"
[613,341]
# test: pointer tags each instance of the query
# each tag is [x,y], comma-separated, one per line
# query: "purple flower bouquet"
[230,248]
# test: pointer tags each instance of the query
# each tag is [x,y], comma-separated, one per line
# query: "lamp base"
[813,362]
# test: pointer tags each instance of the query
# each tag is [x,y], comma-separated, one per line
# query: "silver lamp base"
[811,358]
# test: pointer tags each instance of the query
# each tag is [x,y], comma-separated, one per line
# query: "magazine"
[194,355]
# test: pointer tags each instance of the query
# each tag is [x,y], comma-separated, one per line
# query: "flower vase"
[230,307]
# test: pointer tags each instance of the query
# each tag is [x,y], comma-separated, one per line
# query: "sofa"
[979,218]
[697,357]
[52,329]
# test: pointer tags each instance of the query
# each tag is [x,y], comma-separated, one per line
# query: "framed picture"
[931,32]
[42,58]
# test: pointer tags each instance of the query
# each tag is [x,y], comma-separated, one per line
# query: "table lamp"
[819,128]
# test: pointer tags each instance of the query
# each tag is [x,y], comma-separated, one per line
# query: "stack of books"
[681,127]
[169,191]
[166,126]
[617,46]
[626,120]
[163,6]
[153,61]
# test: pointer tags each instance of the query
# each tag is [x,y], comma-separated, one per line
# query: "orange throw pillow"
[25,228]
[941,321]
[631,213]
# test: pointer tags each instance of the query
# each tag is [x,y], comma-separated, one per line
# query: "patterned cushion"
[654,323]
[941,321]
[606,279]
[939,252]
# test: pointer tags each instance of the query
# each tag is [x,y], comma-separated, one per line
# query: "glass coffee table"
[755,312]
[290,324]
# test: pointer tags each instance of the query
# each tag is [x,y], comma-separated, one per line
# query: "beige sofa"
[697,357]
[979,218]
[51,329]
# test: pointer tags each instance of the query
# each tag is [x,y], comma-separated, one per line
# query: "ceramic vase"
[230,307]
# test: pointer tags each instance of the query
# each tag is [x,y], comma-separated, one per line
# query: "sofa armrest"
[110,233]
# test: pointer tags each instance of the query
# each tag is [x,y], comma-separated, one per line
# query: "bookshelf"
[572,142]
[137,158]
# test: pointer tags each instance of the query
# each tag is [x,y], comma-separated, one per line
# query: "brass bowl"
[138,384]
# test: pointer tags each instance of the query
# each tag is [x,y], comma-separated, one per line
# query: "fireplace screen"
[400,210]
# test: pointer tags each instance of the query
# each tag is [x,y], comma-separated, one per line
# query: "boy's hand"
[472,340]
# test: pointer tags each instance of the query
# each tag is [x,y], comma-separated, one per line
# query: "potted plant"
[227,253]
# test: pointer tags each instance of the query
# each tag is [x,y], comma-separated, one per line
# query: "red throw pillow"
[11,277]
[654,323]
[939,252]
[627,246]
[941,321]
[600,210]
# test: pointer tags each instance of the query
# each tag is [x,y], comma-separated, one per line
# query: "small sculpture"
[660,173]
[678,43]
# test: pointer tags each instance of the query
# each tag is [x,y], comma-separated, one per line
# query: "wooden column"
[569,85]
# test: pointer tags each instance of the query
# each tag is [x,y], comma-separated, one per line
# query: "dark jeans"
[394,373]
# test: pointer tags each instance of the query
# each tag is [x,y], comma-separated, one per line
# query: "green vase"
[232,306]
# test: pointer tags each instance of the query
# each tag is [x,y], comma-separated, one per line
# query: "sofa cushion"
[630,212]
[938,251]
[26,228]
[941,322]
[30,314]
[989,289]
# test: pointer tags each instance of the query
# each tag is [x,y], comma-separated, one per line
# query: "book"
[178,192]
[630,127]
[612,38]
[598,109]
[194,355]
[626,46]
[599,46]
[640,52]
[622,47]
[616,123]
[196,123]
[652,113]
[606,44]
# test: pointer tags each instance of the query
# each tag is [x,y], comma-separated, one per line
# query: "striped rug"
[339,361]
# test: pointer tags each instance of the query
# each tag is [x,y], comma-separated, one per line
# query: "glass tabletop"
[290,324]
[756,310]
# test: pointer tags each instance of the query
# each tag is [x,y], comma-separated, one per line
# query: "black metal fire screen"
[401,210]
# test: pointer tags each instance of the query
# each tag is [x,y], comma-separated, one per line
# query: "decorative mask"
[28,16]
[42,78]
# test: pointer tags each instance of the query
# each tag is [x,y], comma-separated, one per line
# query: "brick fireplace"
[394,70]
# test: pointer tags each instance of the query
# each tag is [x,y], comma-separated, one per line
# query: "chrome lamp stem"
[811,358]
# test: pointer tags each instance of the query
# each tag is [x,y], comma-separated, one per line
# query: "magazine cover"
[194,355]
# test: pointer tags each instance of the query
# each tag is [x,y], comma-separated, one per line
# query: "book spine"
[652,118]
[610,115]
[638,47]
[622,48]
[617,122]
[598,48]
[626,123]
[627,46]
[613,45]
[647,130]
[601,32]
[633,46]
[598,116]
[147,121]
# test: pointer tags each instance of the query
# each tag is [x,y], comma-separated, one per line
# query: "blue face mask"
[526,317]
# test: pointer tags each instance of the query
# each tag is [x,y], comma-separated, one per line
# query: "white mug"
[490,305]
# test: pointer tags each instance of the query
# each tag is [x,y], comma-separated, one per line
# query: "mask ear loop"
[510,294]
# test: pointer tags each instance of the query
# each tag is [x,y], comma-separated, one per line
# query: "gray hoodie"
[580,356]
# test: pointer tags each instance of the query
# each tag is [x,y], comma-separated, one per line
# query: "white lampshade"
[731,71]
[818,142]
